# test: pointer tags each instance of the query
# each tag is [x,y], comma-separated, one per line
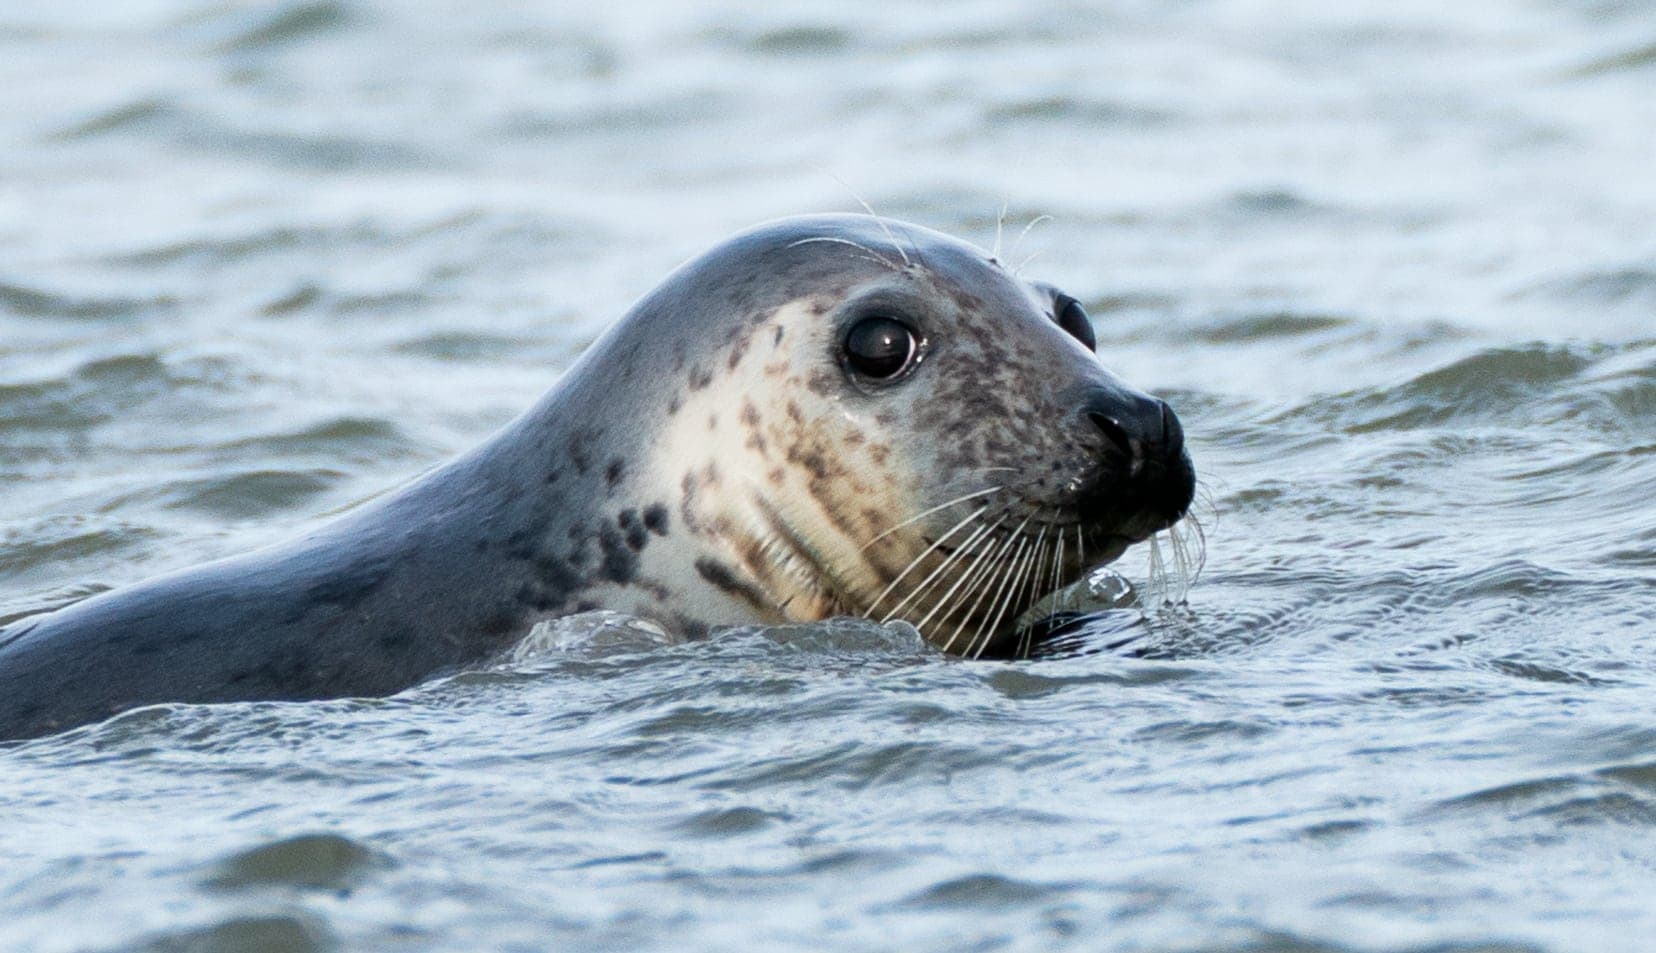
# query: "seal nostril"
[1113,432]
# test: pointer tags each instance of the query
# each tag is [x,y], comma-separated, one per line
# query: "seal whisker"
[1015,575]
[986,625]
[878,220]
[916,560]
[1058,569]
[1186,566]
[947,596]
[1037,559]
[935,573]
[1028,586]
[1025,234]
[1025,263]
[983,564]
[1003,597]
[871,255]
[1000,224]
[993,564]
[926,513]
[1040,569]
[1198,538]
[1054,579]
[1056,583]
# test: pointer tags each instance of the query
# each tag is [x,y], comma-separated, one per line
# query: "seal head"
[890,423]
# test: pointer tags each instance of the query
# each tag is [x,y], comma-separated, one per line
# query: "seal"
[831,414]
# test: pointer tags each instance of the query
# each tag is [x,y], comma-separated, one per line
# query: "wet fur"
[706,462]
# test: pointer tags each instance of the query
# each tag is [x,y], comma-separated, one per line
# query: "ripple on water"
[28,302]
[331,439]
[274,933]
[1491,386]
[244,496]
[273,26]
[322,861]
[985,891]
[726,822]
[790,40]
[104,388]
[1567,800]
[53,541]
[1269,327]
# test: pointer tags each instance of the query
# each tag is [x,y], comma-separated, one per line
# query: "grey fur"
[581,504]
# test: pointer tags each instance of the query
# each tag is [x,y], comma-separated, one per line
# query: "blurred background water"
[1393,262]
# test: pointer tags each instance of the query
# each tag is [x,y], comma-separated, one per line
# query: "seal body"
[825,415]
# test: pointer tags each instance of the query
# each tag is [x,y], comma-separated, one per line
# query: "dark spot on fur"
[537,598]
[580,447]
[750,413]
[964,298]
[725,578]
[558,574]
[674,405]
[700,377]
[615,471]
[633,530]
[347,587]
[812,460]
[655,519]
[691,628]
[738,351]
[687,503]
[779,332]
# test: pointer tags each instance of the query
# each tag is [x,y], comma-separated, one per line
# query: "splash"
[587,634]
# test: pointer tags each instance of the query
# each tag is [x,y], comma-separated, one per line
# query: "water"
[1393,263]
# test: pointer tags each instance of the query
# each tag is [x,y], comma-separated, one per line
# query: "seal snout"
[1143,467]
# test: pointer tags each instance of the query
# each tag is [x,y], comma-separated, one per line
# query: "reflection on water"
[1392,263]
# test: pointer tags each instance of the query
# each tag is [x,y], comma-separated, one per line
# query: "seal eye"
[880,347]
[1073,319]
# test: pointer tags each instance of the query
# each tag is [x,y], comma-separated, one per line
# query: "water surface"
[1393,263]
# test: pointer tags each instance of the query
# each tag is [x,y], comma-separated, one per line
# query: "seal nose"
[1146,465]
[1138,428]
